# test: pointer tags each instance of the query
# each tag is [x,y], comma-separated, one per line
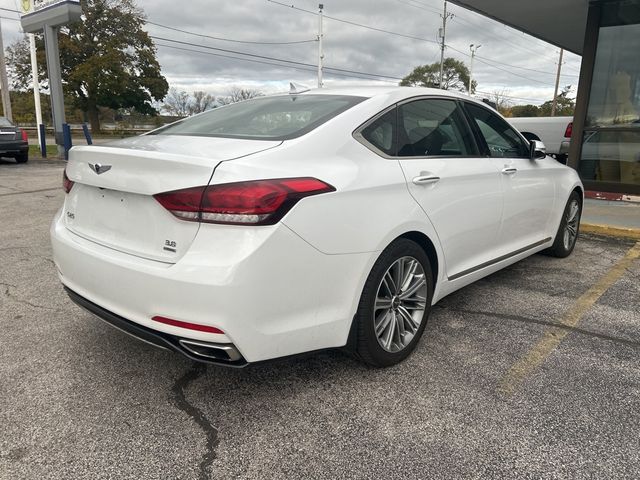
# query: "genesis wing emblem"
[98,168]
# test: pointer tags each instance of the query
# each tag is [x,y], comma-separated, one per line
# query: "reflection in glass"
[611,142]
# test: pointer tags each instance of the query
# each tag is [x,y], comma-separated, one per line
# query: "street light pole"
[473,49]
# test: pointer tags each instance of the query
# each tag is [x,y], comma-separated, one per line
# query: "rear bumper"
[221,354]
[270,292]
[564,147]
[12,148]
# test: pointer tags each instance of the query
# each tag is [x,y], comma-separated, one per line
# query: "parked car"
[14,142]
[291,223]
[555,132]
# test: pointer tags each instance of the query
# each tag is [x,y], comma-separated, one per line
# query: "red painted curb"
[616,197]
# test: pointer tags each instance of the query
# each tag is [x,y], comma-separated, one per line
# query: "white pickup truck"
[555,133]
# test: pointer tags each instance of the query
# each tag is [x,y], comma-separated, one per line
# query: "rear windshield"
[267,118]
[5,123]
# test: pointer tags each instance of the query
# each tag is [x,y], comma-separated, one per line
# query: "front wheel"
[395,304]
[569,227]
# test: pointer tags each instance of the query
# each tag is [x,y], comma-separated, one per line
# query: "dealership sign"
[29,6]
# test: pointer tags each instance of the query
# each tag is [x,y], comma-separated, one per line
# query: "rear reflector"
[66,183]
[257,202]
[569,130]
[188,325]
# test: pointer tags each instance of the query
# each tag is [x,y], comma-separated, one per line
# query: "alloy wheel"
[571,228]
[400,304]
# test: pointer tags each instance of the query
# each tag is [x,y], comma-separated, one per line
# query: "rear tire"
[394,306]
[22,158]
[569,228]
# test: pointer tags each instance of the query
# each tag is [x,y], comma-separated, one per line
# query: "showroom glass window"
[611,141]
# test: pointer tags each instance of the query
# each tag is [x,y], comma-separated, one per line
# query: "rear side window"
[433,127]
[502,140]
[268,118]
[381,133]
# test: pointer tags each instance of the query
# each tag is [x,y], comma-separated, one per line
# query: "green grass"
[52,151]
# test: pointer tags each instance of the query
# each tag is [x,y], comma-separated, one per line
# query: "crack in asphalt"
[545,323]
[180,401]
[29,191]
[8,294]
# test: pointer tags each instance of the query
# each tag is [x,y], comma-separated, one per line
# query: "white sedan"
[305,221]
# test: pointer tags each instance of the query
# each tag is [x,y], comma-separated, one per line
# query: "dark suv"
[13,141]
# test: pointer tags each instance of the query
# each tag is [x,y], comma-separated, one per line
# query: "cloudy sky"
[518,65]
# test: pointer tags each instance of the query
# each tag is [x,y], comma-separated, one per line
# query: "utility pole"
[320,51]
[555,92]
[443,35]
[473,49]
[4,82]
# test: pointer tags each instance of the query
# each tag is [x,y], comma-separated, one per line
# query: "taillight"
[257,202]
[25,138]
[569,130]
[66,183]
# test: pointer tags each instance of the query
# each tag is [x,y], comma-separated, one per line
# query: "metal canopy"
[560,22]
[58,13]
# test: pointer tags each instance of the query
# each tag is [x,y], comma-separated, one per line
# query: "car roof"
[393,93]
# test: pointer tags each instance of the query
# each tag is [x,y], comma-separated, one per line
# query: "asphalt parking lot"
[532,372]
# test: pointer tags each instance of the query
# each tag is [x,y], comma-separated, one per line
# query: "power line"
[509,96]
[525,68]
[420,6]
[413,38]
[349,22]
[271,63]
[500,68]
[266,57]
[229,39]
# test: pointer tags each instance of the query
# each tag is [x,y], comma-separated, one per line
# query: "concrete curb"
[610,231]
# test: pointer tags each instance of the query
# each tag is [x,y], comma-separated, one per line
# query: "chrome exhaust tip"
[221,352]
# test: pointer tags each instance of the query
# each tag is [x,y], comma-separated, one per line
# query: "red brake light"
[66,183]
[257,202]
[569,130]
[190,326]
[25,138]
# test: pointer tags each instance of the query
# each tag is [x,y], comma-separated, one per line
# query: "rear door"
[529,192]
[458,188]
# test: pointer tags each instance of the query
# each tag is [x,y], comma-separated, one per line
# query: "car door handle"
[509,171]
[425,179]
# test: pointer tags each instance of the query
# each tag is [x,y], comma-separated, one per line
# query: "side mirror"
[537,150]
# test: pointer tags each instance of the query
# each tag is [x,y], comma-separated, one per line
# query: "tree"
[455,76]
[202,102]
[107,60]
[564,105]
[177,103]
[525,111]
[180,103]
[501,100]
[237,94]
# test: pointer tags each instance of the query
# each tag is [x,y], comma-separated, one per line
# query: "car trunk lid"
[9,134]
[111,201]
